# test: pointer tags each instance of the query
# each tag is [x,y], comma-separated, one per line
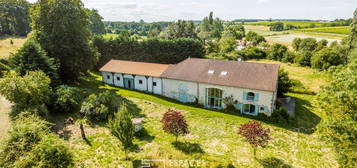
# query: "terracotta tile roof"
[259,76]
[136,68]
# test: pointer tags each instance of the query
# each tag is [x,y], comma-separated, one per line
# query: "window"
[140,82]
[108,76]
[250,96]
[249,108]
[118,78]
[214,98]
[154,84]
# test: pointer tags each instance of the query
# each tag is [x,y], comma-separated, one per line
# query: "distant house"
[206,81]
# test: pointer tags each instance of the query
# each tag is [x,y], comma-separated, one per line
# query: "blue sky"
[169,10]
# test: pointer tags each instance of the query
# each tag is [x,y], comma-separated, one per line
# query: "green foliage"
[210,28]
[227,44]
[229,102]
[277,26]
[31,57]
[150,50]
[277,52]
[289,57]
[303,58]
[307,44]
[280,116]
[255,38]
[234,30]
[252,53]
[67,99]
[26,132]
[180,29]
[296,44]
[96,25]
[338,101]
[352,38]
[100,107]
[122,127]
[14,18]
[30,92]
[4,67]
[326,58]
[61,28]
[284,82]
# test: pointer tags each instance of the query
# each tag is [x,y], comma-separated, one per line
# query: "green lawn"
[213,134]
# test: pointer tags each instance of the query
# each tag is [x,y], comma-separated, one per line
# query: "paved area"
[289,104]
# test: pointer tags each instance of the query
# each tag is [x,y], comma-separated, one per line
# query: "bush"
[289,57]
[122,127]
[284,82]
[67,99]
[326,58]
[51,151]
[304,58]
[277,52]
[4,67]
[30,92]
[280,116]
[100,107]
[252,53]
[25,133]
[230,102]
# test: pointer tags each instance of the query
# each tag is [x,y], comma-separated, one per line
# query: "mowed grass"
[6,48]
[294,23]
[213,135]
[337,30]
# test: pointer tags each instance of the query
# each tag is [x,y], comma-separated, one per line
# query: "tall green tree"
[14,17]
[96,25]
[61,28]
[180,29]
[31,57]
[235,30]
[210,27]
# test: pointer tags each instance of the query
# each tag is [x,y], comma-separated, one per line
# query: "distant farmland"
[298,24]
[336,30]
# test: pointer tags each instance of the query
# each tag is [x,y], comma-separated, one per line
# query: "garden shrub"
[280,116]
[51,151]
[229,102]
[100,107]
[25,133]
[67,99]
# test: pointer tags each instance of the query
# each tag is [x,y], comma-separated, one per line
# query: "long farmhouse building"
[206,81]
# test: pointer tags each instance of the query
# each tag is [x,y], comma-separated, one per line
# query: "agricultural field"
[213,135]
[301,24]
[6,47]
[286,37]
[337,30]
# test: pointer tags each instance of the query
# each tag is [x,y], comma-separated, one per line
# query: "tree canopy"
[14,17]
[61,28]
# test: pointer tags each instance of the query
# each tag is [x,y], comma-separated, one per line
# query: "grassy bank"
[213,135]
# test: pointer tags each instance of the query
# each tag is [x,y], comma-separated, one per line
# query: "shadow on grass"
[304,122]
[187,147]
[143,135]
[273,162]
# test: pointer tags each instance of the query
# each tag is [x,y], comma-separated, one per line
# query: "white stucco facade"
[186,91]
[194,91]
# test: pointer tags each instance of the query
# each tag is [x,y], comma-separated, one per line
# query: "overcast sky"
[169,10]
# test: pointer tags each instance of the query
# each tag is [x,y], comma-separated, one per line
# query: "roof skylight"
[210,71]
[224,73]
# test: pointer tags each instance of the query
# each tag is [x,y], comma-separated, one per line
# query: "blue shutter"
[245,95]
[256,96]
[266,109]
[256,110]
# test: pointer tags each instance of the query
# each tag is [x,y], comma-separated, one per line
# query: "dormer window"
[210,71]
[224,73]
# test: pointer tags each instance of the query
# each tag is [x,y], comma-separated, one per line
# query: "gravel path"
[5,107]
